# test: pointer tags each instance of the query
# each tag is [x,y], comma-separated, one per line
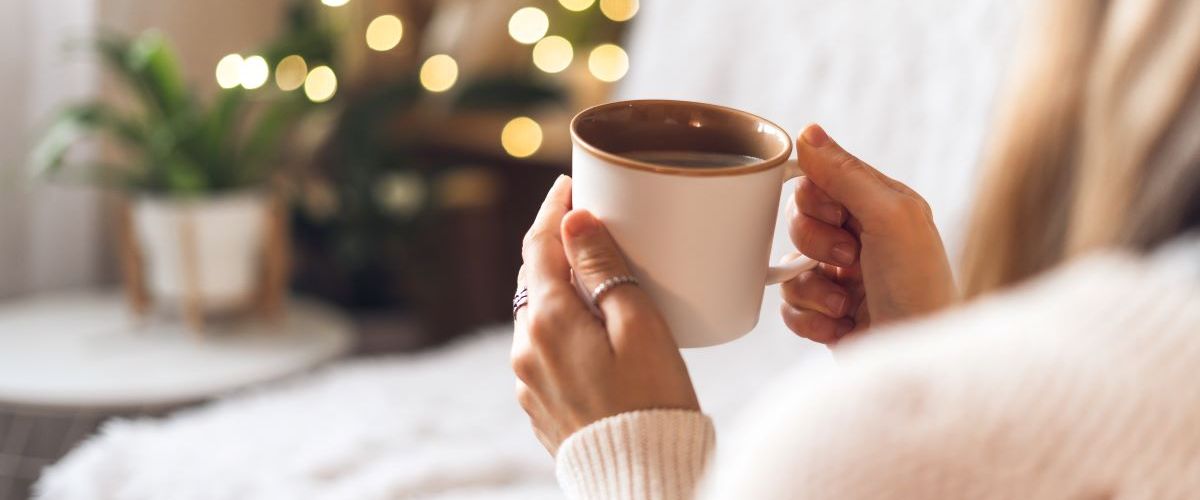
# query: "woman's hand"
[573,368]
[881,256]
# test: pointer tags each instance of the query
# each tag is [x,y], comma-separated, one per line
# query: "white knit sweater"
[1083,384]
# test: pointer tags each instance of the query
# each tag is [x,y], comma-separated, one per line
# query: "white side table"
[67,362]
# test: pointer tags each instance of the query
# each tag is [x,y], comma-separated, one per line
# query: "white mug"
[697,239]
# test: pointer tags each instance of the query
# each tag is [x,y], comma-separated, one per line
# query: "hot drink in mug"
[690,192]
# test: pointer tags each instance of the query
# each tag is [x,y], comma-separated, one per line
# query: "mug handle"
[784,271]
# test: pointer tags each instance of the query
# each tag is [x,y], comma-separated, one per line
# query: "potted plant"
[196,177]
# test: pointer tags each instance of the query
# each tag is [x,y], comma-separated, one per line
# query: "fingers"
[815,326]
[547,273]
[814,291]
[594,256]
[823,242]
[542,249]
[815,203]
[860,188]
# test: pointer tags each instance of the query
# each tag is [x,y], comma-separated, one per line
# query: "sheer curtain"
[53,237]
[48,235]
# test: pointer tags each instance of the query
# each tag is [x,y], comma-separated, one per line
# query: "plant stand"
[267,298]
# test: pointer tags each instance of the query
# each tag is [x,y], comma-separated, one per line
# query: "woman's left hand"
[572,367]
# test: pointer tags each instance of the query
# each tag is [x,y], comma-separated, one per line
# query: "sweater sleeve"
[657,454]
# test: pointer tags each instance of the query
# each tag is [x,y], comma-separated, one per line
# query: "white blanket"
[441,424]
[906,85]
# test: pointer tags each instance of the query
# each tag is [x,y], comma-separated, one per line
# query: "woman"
[1074,377]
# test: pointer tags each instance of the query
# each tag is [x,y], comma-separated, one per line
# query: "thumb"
[595,258]
[864,191]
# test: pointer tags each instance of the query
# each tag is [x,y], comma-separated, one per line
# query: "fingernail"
[843,253]
[835,302]
[844,327]
[815,136]
[580,223]
[831,213]
[560,179]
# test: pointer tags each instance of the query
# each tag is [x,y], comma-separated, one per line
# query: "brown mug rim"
[765,164]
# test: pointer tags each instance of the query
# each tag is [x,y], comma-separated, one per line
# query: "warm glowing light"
[384,32]
[321,84]
[439,73]
[335,3]
[619,10]
[290,73]
[528,25]
[521,137]
[576,5]
[255,72]
[552,54]
[608,62]
[229,71]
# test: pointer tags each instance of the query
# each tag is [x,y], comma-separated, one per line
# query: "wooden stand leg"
[193,307]
[276,261]
[130,257]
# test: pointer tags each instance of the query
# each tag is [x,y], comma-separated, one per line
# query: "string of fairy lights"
[522,136]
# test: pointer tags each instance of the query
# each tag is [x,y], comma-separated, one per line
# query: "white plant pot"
[216,240]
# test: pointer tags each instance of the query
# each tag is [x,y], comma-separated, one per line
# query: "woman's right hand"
[881,256]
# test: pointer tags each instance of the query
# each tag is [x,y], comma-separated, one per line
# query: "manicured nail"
[843,253]
[835,302]
[831,213]
[580,223]
[815,136]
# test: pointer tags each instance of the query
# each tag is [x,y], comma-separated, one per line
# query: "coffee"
[691,159]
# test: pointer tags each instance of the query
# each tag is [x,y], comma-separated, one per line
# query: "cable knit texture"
[1080,385]
[656,454]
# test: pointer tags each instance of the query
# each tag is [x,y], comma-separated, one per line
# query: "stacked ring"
[609,284]
[520,299]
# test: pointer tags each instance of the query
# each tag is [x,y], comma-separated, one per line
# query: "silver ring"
[609,284]
[520,299]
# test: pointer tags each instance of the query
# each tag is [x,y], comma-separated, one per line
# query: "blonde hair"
[1098,140]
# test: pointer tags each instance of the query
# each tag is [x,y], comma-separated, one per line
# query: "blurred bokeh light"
[576,5]
[619,10]
[439,73]
[528,25]
[290,73]
[384,32]
[553,54]
[229,71]
[608,62]
[255,72]
[321,84]
[521,137]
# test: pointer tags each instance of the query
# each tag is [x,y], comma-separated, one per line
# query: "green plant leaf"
[148,65]
[153,60]
[182,147]
[219,136]
[263,138]
[185,178]
[75,122]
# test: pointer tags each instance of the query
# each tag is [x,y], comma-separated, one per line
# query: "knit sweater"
[1083,384]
